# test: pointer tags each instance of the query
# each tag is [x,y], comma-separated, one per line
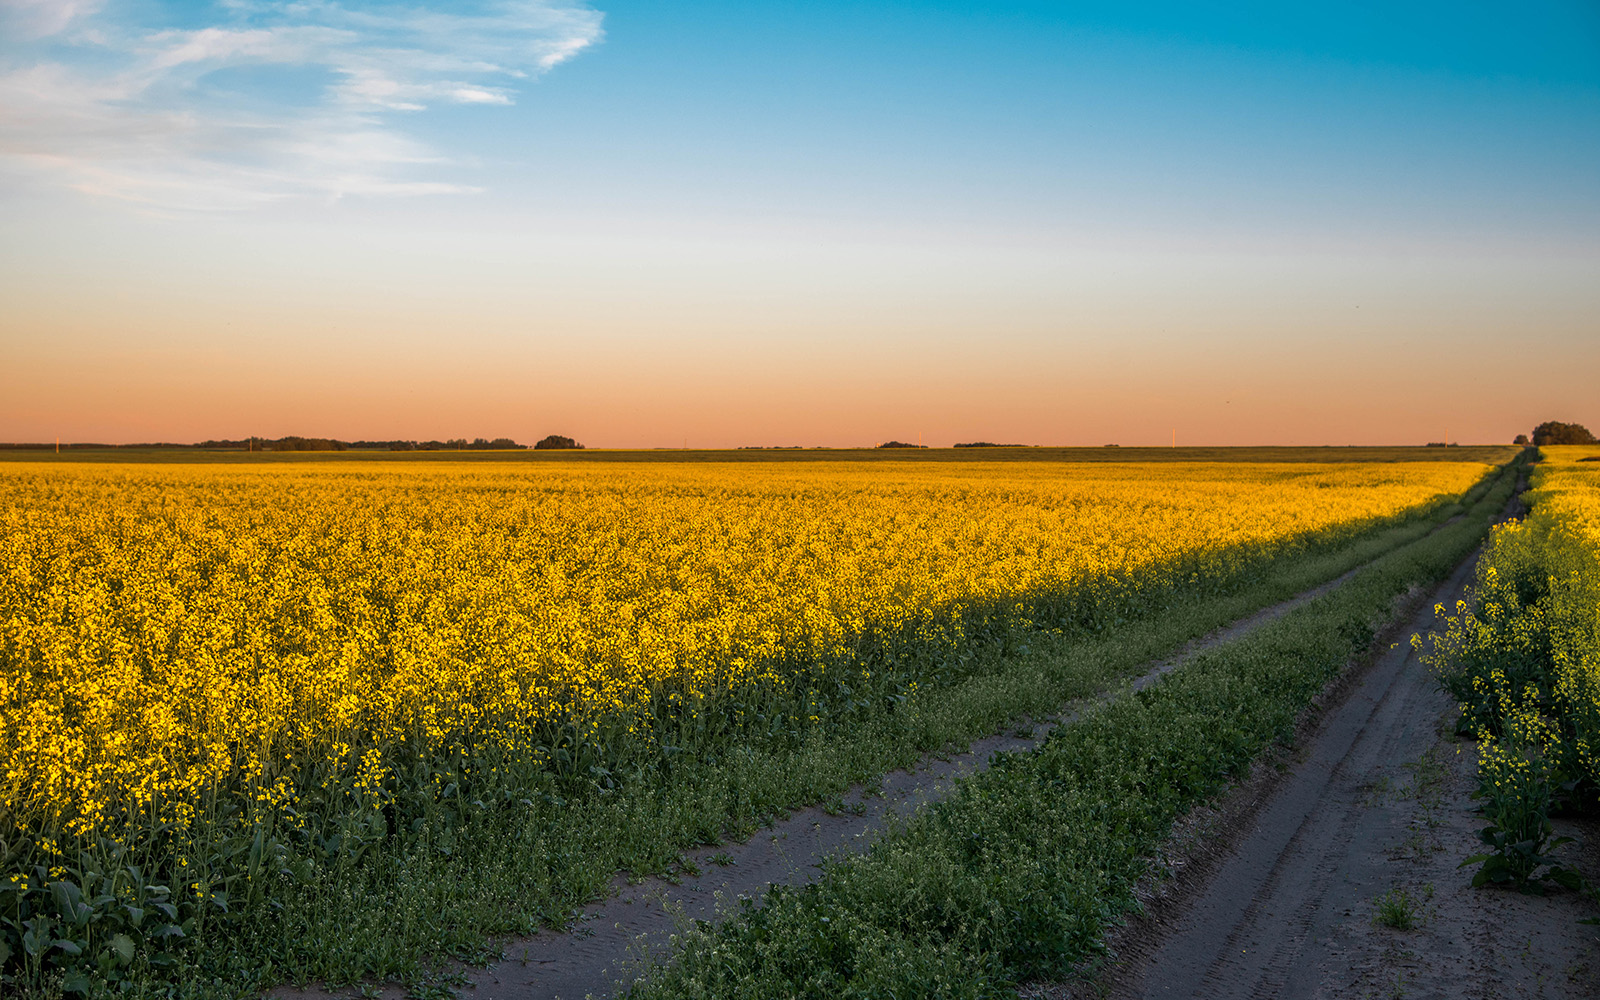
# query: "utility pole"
[1174,437]
[58,444]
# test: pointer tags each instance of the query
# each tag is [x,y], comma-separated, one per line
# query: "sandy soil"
[1274,891]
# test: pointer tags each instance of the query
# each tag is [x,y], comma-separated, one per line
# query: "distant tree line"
[291,443]
[900,444]
[295,443]
[988,444]
[454,444]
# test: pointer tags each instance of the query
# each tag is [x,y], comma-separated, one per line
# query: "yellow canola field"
[170,630]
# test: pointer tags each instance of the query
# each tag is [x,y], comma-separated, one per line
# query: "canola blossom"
[172,634]
[1523,659]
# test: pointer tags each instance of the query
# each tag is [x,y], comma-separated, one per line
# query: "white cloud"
[33,19]
[270,101]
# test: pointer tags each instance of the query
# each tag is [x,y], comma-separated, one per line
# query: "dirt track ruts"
[614,939]
[1277,899]
[613,936]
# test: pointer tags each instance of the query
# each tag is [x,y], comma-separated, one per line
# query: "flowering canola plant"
[1568,500]
[175,635]
[1523,659]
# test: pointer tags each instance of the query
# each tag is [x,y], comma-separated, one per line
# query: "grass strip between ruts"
[1018,874]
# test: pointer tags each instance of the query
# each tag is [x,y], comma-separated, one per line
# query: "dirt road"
[1293,865]
[1276,892]
[615,937]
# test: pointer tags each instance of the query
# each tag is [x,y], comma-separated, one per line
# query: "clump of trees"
[1556,432]
[556,441]
[900,444]
[293,443]
[296,443]
[1521,439]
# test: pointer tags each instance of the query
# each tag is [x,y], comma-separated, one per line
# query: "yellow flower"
[181,634]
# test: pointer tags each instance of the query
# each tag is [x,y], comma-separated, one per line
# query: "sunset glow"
[820,224]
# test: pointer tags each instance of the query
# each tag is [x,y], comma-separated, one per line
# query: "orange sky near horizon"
[722,342]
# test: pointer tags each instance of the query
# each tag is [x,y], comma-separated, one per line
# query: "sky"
[722,224]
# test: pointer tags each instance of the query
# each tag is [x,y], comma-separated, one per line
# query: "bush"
[1556,432]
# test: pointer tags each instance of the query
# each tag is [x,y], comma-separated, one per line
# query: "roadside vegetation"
[1523,659]
[329,722]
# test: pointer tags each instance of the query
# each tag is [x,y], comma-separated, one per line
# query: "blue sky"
[1189,122]
[714,182]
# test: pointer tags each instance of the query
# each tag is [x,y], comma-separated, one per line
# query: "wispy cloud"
[265,102]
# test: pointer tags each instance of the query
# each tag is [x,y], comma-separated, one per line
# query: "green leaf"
[122,945]
[75,982]
[67,895]
[34,941]
[1565,877]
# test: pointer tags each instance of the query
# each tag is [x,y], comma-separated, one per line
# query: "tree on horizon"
[1556,432]
[556,441]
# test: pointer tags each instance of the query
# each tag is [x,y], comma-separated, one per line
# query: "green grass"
[1017,876]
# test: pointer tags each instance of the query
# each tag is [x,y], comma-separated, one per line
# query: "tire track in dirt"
[615,939]
[1280,902]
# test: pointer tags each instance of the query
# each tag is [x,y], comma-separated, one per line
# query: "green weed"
[1401,909]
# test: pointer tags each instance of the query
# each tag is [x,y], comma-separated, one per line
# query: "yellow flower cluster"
[1564,523]
[167,630]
